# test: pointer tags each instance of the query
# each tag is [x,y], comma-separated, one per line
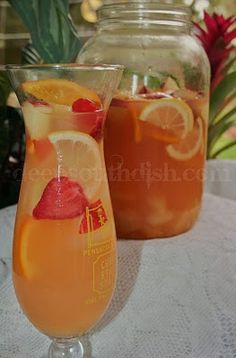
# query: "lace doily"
[175,298]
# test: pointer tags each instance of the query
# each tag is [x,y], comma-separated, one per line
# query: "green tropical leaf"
[53,33]
[230,64]
[226,88]
[30,55]
[223,148]
[228,118]
[211,142]
[215,131]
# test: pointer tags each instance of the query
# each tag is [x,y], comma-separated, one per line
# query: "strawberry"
[94,218]
[92,123]
[83,105]
[62,198]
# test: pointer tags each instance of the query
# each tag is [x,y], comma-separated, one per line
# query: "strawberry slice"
[94,217]
[82,105]
[62,198]
[93,120]
[91,123]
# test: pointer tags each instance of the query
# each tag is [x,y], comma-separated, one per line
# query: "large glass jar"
[156,131]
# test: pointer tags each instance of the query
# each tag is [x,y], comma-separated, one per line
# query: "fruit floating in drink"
[155,143]
[64,259]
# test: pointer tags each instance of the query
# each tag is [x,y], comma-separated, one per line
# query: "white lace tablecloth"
[175,298]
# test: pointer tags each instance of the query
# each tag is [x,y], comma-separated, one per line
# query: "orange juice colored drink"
[64,257]
[155,151]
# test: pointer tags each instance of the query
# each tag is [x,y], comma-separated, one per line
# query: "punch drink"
[155,152]
[64,254]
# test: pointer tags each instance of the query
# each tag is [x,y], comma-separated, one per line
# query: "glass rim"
[72,66]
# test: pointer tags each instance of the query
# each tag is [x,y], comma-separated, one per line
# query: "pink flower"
[217,42]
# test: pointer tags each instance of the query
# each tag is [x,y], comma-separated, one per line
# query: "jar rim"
[148,10]
[62,67]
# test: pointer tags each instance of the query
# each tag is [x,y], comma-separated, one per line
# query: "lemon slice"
[58,91]
[190,145]
[172,116]
[79,158]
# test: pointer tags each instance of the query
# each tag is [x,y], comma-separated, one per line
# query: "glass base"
[66,348]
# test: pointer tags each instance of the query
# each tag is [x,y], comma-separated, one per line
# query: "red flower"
[216,41]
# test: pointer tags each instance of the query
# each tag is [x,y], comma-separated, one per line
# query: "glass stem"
[66,348]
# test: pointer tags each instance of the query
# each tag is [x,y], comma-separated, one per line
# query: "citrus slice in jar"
[59,91]
[190,145]
[170,119]
[79,158]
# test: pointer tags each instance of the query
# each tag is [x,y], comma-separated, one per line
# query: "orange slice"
[190,145]
[149,130]
[32,245]
[38,241]
[80,159]
[172,117]
[58,91]
[133,112]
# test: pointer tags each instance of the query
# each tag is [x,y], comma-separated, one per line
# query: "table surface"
[175,298]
